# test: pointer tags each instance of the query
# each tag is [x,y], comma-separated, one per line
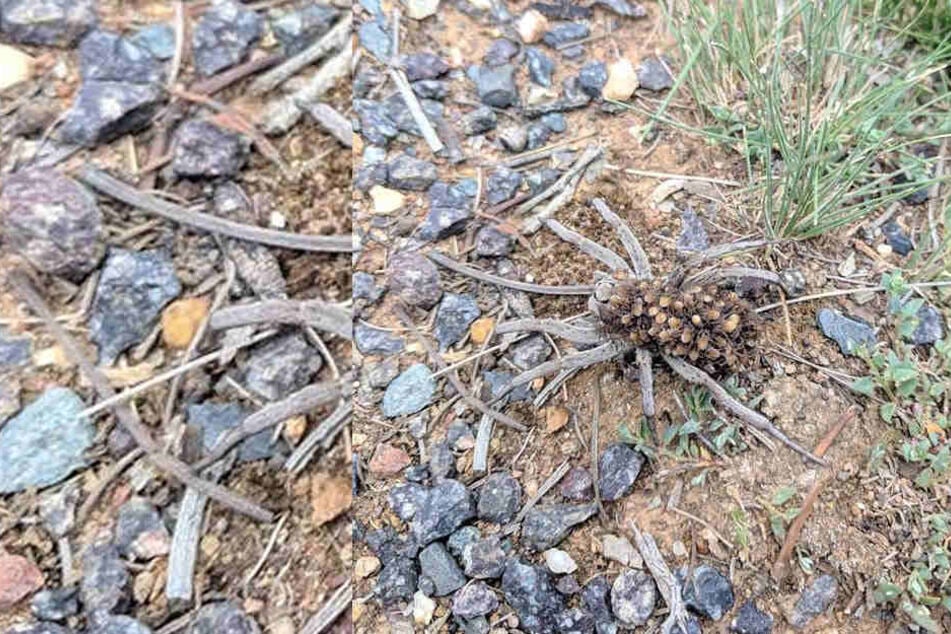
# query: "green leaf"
[864,385]
[921,616]
[782,495]
[886,591]
[887,411]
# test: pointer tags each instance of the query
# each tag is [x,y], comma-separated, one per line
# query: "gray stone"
[568,585]
[459,435]
[390,546]
[595,597]
[500,51]
[814,600]
[104,586]
[15,352]
[633,596]
[400,115]
[538,135]
[375,38]
[461,538]
[502,184]
[514,138]
[140,532]
[415,279]
[542,179]
[222,617]
[447,507]
[258,267]
[429,89]
[751,620]
[397,581]
[929,330]
[230,201]
[105,110]
[56,604]
[157,39]
[406,498]
[45,442]
[365,287]
[117,624]
[410,392]
[555,122]
[496,86]
[298,29]
[38,628]
[693,626]
[380,374]
[478,121]
[499,498]
[497,382]
[652,74]
[52,221]
[214,419]
[224,36]
[897,239]
[545,527]
[693,235]
[573,52]
[47,22]
[424,65]
[453,318]
[107,56]
[575,621]
[577,485]
[438,567]
[492,243]
[410,173]
[484,558]
[376,126]
[592,78]
[563,10]
[442,464]
[618,468]
[371,340]
[623,8]
[276,368]
[478,625]
[57,508]
[530,591]
[540,66]
[565,32]
[847,332]
[707,592]
[450,209]
[204,150]
[530,352]
[475,599]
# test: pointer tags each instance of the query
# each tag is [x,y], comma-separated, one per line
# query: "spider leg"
[464,269]
[748,416]
[642,268]
[574,334]
[589,246]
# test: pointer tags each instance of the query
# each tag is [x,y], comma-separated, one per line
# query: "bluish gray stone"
[139,528]
[500,51]
[847,332]
[484,558]
[540,66]
[461,538]
[410,392]
[423,65]
[117,624]
[555,122]
[501,185]
[930,327]
[530,352]
[707,592]
[55,604]
[415,279]
[45,442]
[652,74]
[442,463]
[545,527]
[596,598]
[499,498]
[365,287]
[376,126]
[453,318]
[157,39]
[224,36]
[897,239]
[371,340]
[214,419]
[380,374]
[105,110]
[633,596]
[623,8]
[439,569]
[530,591]
[577,485]
[405,122]
[538,135]
[496,86]
[814,600]
[447,507]
[376,39]
[565,32]
[495,382]
[693,235]
[540,180]
[492,243]
[107,56]
[450,209]
[104,586]
[410,173]
[277,367]
[592,78]
[406,498]
[475,599]
[751,620]
[222,617]
[390,546]
[478,121]
[618,468]
[429,89]
[205,150]
[47,22]
[39,628]
[298,29]
[397,581]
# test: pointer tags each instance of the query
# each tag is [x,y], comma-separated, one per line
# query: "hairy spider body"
[708,325]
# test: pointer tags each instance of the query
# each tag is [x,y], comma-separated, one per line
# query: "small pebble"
[622,81]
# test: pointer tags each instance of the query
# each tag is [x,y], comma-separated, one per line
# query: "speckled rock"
[577,485]
[410,173]
[117,624]
[633,596]
[596,597]
[540,66]
[592,78]
[530,352]
[406,498]
[375,38]
[475,599]
[478,121]
[397,581]
[104,586]
[450,209]
[140,532]
[439,574]
[108,56]
[224,36]
[484,558]
[652,74]
[545,526]
[814,600]
[930,326]
[501,185]
[530,591]
[618,468]
[223,617]
[500,51]
[492,243]
[707,592]
[453,317]
[205,150]
[214,419]
[47,22]
[157,39]
[414,279]
[565,32]
[105,110]
[499,498]
[751,620]
[496,85]
[410,392]
[848,333]
[693,235]
[423,65]
[448,505]
[56,604]
[276,368]
[370,340]
[298,29]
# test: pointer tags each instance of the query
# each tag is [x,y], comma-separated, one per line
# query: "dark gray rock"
[514,138]
[847,332]
[366,80]
[140,532]
[15,352]
[618,468]
[484,558]
[448,506]
[459,435]
[897,239]
[230,201]
[406,498]
[224,36]
[400,115]
[104,586]
[707,592]
[540,66]
[371,340]
[376,126]
[381,374]
[39,628]
[107,56]
[496,86]
[258,267]
[751,620]
[478,121]
[573,52]
[592,78]
[929,330]
[530,591]
[424,65]
[501,185]
[410,173]
[214,419]
[298,29]
[563,10]
[500,51]
[56,604]
[427,89]
[450,209]
[693,626]
[389,546]
[633,596]
[157,39]
[652,74]
[453,318]
[575,621]
[105,110]
[555,122]
[117,624]
[442,464]
[397,581]
[693,235]
[410,392]
[492,243]
[530,352]
[538,135]
[577,485]
[365,287]
[439,569]
[204,150]
[595,598]
[52,221]
[47,22]
[461,538]
[814,600]
[376,39]
[499,498]
[623,8]
[223,617]
[276,368]
[565,32]
[542,179]
[415,279]
[475,599]
[545,526]
[568,585]
[496,382]
[417,473]
[45,442]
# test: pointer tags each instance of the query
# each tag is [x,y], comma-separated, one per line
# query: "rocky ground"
[467,525]
[182,212]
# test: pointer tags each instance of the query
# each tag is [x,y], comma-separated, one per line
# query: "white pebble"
[559,562]
[622,81]
[532,26]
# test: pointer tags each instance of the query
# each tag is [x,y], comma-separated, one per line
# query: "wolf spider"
[600,345]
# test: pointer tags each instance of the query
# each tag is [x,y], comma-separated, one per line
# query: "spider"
[600,340]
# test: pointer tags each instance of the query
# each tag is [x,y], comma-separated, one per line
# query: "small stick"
[311,312]
[320,436]
[114,188]
[604,352]
[178,7]
[334,39]
[586,245]
[333,122]
[546,486]
[642,267]
[127,418]
[283,112]
[554,327]
[849,291]
[338,603]
[645,362]
[531,156]
[452,265]
[666,582]
[114,472]
[480,454]
[267,551]
[667,175]
[553,385]
[412,104]
[595,466]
